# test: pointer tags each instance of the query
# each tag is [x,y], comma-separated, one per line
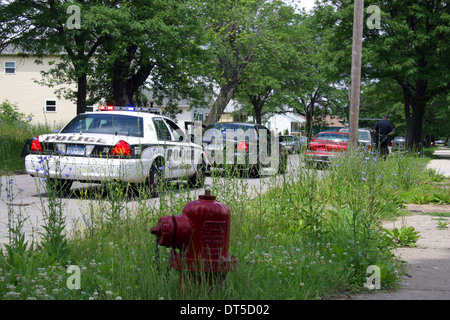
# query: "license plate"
[76,150]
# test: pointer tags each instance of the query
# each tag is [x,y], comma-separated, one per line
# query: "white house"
[18,76]
[289,121]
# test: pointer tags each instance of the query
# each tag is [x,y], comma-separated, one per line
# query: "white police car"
[136,145]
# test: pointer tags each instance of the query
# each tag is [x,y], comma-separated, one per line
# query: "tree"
[316,84]
[278,56]
[159,40]
[44,28]
[414,52]
[117,45]
[234,33]
[410,48]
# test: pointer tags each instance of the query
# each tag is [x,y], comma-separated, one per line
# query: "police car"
[136,145]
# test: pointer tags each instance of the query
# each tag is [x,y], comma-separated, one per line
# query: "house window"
[50,106]
[10,67]
[198,116]
[295,127]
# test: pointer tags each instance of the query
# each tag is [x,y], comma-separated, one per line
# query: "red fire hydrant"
[199,238]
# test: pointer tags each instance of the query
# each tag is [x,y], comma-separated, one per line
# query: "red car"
[324,146]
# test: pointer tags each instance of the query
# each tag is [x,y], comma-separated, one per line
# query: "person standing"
[382,130]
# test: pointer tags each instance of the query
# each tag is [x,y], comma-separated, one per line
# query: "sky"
[308,4]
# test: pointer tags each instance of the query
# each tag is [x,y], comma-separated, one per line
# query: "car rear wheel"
[155,179]
[255,170]
[198,179]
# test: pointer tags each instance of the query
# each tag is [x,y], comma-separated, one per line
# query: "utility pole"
[358,17]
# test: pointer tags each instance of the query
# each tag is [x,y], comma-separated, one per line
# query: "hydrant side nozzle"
[164,231]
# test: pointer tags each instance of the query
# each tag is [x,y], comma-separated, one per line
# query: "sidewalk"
[428,265]
[441,165]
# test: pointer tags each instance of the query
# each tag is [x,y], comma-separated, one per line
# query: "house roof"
[291,116]
[296,117]
[333,122]
[10,49]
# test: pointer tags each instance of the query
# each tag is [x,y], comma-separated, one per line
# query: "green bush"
[9,113]
[15,129]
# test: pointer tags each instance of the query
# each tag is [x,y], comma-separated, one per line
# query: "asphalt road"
[24,197]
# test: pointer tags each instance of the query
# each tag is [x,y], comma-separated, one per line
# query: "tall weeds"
[303,235]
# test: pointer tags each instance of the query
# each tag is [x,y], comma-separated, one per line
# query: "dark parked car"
[243,146]
[399,144]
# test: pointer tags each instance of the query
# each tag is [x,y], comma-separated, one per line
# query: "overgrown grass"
[13,136]
[312,234]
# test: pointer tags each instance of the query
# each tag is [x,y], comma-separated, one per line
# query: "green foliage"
[406,236]
[9,113]
[442,224]
[280,46]
[403,61]
[13,137]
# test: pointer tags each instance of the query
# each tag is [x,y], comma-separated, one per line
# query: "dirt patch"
[427,208]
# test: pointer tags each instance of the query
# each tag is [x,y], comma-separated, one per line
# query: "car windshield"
[335,137]
[104,123]
[235,130]
[363,135]
[224,126]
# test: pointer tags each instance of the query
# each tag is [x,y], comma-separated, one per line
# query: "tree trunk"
[120,95]
[309,115]
[415,106]
[81,93]
[258,116]
[258,104]
[414,125]
[126,81]
[225,95]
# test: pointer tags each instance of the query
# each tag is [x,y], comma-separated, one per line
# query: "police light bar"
[129,108]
